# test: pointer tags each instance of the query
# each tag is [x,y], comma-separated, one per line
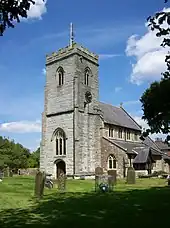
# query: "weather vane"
[71,35]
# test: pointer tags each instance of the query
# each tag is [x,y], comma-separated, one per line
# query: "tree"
[11,11]
[156,100]
[13,155]
[34,159]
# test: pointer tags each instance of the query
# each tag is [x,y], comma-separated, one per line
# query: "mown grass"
[145,204]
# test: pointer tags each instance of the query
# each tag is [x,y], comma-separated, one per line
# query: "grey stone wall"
[88,148]
[108,148]
[87,118]
[124,130]
[60,98]
[66,123]
[82,124]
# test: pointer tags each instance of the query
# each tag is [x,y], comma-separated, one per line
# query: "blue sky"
[113,29]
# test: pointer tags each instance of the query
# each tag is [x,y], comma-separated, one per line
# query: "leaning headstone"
[131,177]
[62,182]
[39,184]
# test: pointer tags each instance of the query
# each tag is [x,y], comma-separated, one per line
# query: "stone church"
[80,133]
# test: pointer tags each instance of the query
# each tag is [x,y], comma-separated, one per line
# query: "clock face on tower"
[88,97]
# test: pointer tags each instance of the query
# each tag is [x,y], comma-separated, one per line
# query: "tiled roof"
[162,145]
[142,156]
[128,146]
[166,157]
[135,147]
[118,116]
[149,142]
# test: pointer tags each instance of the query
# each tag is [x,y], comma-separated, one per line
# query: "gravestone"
[1,175]
[6,172]
[39,184]
[113,174]
[62,182]
[98,173]
[131,176]
[11,173]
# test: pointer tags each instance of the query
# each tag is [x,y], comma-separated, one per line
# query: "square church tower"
[71,121]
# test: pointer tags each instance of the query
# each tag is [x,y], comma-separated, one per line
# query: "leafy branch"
[156,100]
[11,11]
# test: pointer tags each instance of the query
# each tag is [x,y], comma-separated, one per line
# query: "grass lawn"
[145,204]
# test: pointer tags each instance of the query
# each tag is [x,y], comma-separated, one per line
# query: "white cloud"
[44,71]
[117,89]
[107,56]
[149,56]
[145,126]
[134,102]
[37,10]
[21,126]
[141,122]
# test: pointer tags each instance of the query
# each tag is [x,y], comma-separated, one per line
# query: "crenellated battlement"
[68,50]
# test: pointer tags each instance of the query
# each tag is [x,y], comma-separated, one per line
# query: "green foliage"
[156,106]
[156,100]
[131,177]
[34,159]
[11,11]
[15,156]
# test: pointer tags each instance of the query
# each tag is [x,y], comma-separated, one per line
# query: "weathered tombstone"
[11,173]
[39,184]
[1,174]
[98,173]
[131,176]
[6,172]
[62,182]
[113,173]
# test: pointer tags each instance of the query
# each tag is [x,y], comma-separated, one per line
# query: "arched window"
[86,76]
[60,142]
[111,162]
[60,74]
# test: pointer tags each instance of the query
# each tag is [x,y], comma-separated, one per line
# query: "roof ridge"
[118,116]
[109,104]
[153,142]
[130,117]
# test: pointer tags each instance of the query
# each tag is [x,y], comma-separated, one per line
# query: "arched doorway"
[60,168]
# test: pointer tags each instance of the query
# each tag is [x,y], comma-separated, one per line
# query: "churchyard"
[144,204]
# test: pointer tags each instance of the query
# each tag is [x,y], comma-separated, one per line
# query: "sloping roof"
[135,147]
[149,142]
[118,116]
[166,157]
[162,145]
[128,146]
[142,156]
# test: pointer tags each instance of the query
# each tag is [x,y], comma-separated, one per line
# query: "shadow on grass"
[135,208]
